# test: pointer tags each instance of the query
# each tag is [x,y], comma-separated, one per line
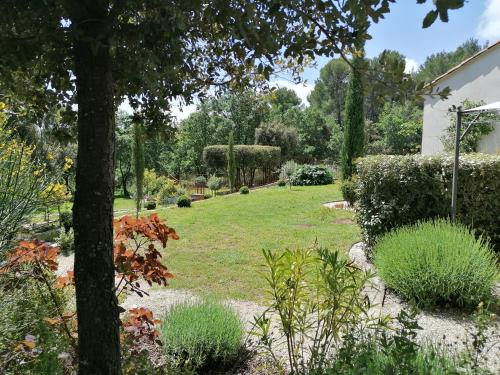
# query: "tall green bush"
[394,191]
[354,128]
[437,263]
[231,163]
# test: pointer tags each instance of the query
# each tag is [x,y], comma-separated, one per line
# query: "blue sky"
[402,31]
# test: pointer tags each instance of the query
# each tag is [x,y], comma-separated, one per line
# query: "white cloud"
[178,111]
[411,65]
[489,23]
[301,89]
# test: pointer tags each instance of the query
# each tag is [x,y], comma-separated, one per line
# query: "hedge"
[394,191]
[249,158]
[311,175]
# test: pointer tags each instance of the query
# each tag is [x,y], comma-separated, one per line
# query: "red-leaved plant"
[136,258]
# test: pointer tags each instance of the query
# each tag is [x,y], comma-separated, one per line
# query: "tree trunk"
[126,193]
[97,308]
[124,179]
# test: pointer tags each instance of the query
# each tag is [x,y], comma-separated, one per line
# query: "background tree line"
[393,118]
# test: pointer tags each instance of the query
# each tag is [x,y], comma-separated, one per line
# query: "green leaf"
[430,18]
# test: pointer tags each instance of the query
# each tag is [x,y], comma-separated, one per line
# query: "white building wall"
[478,80]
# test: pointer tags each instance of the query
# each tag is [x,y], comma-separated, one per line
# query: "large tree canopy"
[93,53]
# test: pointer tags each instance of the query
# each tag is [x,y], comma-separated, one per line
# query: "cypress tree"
[354,128]
[231,163]
[138,156]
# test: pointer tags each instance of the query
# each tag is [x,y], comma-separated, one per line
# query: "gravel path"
[448,327]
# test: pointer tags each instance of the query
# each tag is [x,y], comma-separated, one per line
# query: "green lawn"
[220,250]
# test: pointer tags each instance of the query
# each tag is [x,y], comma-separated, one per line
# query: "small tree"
[138,154]
[287,171]
[355,120]
[231,163]
[214,184]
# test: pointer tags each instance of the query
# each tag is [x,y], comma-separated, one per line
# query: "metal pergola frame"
[478,111]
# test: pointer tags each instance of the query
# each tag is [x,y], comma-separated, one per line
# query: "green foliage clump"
[23,308]
[66,220]
[274,133]
[396,353]
[394,191]
[400,126]
[482,126]
[354,128]
[66,241]
[311,175]
[183,201]
[244,190]
[437,263]
[348,188]
[202,335]
[150,205]
[167,191]
[281,182]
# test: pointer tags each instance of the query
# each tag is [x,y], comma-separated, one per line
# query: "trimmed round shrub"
[311,175]
[183,201]
[348,188]
[202,335]
[244,190]
[437,263]
[281,183]
[150,205]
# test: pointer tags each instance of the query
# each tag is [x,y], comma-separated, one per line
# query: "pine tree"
[138,155]
[354,132]
[231,163]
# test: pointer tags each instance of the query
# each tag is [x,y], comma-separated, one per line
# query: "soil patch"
[342,220]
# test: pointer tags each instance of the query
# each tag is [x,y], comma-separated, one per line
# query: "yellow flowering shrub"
[22,178]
